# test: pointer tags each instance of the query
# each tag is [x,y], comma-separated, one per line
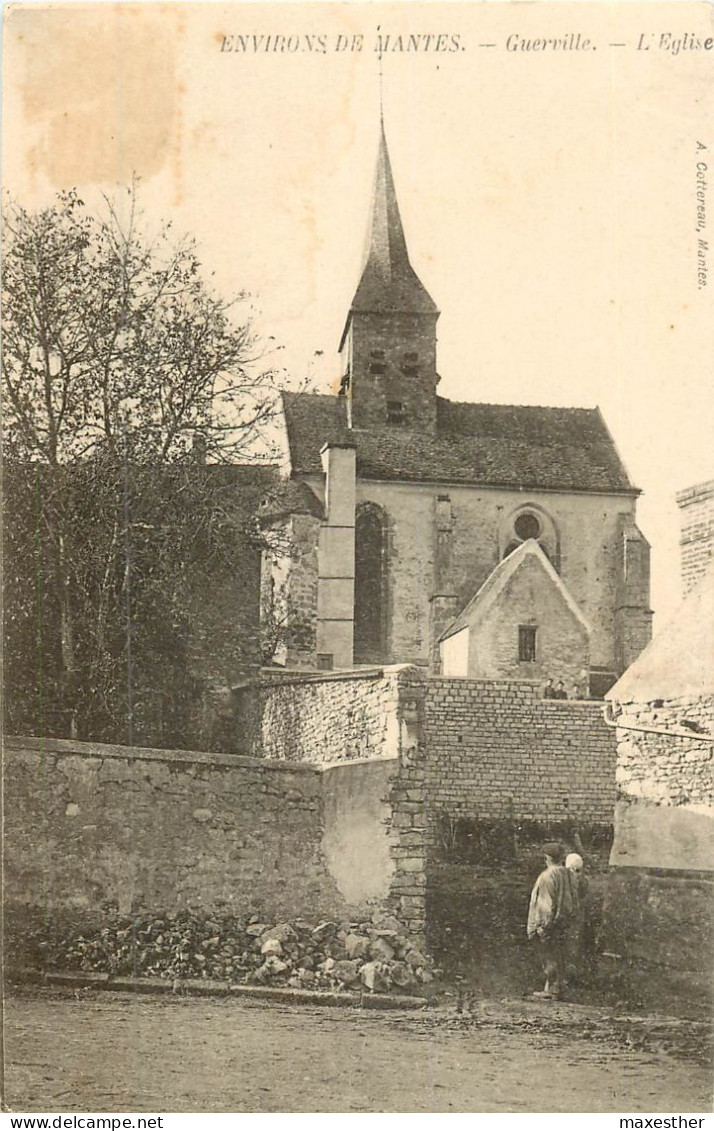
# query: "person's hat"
[555,850]
[574,860]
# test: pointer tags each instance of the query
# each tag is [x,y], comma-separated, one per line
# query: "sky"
[548,187]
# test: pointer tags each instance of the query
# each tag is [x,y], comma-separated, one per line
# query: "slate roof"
[516,446]
[290,497]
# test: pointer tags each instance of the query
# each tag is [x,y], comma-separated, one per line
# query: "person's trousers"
[552,956]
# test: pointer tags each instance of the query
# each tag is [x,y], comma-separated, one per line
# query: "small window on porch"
[527,643]
[395,412]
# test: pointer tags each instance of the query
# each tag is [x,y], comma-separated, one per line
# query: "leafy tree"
[127,383]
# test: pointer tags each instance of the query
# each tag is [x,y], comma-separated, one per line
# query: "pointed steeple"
[389,283]
[389,341]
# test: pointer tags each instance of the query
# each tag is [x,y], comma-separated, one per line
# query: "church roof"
[485,597]
[289,497]
[388,282]
[517,446]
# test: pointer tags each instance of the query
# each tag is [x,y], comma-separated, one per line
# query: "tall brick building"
[696,512]
[420,499]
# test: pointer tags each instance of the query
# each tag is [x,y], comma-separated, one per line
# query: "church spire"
[389,283]
[389,340]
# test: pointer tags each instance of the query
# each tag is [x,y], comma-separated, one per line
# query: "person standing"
[550,912]
[583,943]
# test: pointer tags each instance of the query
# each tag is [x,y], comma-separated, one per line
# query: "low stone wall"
[89,826]
[660,917]
[665,810]
[87,823]
[660,893]
[316,718]
[346,719]
[498,751]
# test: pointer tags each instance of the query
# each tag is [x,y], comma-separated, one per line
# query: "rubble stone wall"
[348,724]
[88,825]
[664,918]
[658,905]
[665,805]
[497,750]
[316,718]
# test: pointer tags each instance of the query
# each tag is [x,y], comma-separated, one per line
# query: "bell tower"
[388,344]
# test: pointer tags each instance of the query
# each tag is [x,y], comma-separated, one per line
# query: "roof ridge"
[499,577]
[542,407]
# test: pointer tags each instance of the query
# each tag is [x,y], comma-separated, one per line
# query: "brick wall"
[497,750]
[696,513]
[476,749]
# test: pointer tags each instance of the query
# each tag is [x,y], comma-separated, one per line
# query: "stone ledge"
[74,747]
[299,676]
[283,995]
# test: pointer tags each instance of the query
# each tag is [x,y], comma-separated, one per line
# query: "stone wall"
[696,512]
[378,380]
[659,906]
[466,749]
[354,723]
[665,787]
[320,718]
[89,826]
[665,919]
[498,751]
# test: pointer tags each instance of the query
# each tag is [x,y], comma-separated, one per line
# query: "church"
[481,540]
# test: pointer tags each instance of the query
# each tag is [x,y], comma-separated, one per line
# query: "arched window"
[529,521]
[370,640]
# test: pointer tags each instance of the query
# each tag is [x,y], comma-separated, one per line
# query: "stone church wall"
[529,597]
[588,543]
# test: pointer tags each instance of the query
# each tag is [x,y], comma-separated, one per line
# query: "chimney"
[336,555]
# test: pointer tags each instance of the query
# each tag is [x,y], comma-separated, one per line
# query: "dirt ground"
[88,1051]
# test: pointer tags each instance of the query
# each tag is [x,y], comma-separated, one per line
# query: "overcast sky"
[548,196]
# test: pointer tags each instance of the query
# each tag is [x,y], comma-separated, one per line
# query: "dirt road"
[111,1052]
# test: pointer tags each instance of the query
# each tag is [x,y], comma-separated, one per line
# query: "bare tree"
[119,360]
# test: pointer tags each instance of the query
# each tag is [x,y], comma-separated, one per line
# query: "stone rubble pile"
[374,955]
